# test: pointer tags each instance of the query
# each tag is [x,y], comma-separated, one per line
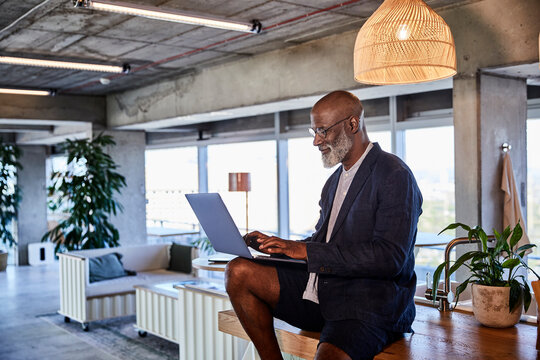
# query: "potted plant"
[86,190]
[204,245]
[499,292]
[10,196]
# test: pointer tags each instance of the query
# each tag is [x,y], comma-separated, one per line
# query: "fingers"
[253,239]
[273,244]
[290,248]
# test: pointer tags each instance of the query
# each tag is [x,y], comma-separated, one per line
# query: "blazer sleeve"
[383,253]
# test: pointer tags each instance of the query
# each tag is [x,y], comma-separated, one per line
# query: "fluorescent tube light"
[64,64]
[26,92]
[153,12]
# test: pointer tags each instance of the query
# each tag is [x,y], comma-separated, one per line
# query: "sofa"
[85,301]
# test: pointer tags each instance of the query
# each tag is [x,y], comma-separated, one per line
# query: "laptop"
[222,232]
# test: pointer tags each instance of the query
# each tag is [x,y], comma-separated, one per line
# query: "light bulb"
[403,32]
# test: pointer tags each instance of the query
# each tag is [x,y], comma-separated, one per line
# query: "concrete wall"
[32,218]
[128,154]
[62,108]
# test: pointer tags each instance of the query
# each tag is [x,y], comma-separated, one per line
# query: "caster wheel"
[142,333]
[67,319]
[85,327]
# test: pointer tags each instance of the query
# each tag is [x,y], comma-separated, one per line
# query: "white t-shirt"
[345,181]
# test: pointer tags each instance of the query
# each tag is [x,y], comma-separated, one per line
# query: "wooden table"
[205,264]
[438,335]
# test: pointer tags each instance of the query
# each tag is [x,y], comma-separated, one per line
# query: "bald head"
[340,130]
[338,104]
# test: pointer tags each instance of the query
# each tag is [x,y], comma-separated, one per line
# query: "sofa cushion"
[108,266]
[126,284]
[180,259]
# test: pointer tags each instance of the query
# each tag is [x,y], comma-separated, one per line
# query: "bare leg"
[327,351]
[254,291]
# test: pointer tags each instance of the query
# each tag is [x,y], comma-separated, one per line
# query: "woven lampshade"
[403,42]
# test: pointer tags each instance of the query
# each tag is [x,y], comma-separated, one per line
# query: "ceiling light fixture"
[404,42]
[27,92]
[64,65]
[153,12]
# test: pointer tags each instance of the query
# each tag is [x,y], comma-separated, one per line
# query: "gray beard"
[338,150]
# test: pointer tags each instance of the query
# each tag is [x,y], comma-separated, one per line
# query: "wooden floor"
[25,293]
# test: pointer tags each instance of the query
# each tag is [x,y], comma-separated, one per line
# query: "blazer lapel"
[332,188]
[358,182]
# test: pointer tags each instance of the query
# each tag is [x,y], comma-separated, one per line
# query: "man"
[359,283]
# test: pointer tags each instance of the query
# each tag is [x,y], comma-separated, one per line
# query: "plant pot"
[491,306]
[536,289]
[3,260]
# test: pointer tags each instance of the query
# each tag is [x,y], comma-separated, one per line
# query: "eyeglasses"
[322,131]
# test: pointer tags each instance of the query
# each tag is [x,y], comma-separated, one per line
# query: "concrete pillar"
[488,111]
[466,140]
[32,217]
[128,154]
[503,118]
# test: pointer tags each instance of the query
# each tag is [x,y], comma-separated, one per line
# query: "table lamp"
[241,181]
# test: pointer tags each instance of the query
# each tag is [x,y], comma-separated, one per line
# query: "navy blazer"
[366,270]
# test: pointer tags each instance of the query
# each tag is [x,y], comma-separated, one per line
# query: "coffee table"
[157,310]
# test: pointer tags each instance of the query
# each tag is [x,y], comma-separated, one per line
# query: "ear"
[354,125]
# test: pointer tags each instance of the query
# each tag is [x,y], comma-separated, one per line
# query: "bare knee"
[243,276]
[236,273]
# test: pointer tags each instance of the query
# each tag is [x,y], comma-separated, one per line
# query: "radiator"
[72,287]
[199,336]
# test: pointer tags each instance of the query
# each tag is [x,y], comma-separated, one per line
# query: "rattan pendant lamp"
[404,42]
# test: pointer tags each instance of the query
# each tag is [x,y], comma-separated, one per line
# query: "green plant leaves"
[487,267]
[510,263]
[10,193]
[454,226]
[87,190]
[516,235]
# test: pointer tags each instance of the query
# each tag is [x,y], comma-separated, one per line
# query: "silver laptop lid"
[218,224]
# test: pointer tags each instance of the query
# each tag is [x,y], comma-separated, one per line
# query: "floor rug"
[119,338]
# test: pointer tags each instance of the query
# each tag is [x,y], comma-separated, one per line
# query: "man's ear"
[354,125]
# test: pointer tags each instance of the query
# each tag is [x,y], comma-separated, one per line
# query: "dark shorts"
[358,339]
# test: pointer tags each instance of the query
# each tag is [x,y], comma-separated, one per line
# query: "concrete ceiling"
[157,50]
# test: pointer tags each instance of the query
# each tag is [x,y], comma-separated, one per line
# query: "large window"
[258,159]
[170,174]
[533,189]
[306,180]
[429,152]
[381,137]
